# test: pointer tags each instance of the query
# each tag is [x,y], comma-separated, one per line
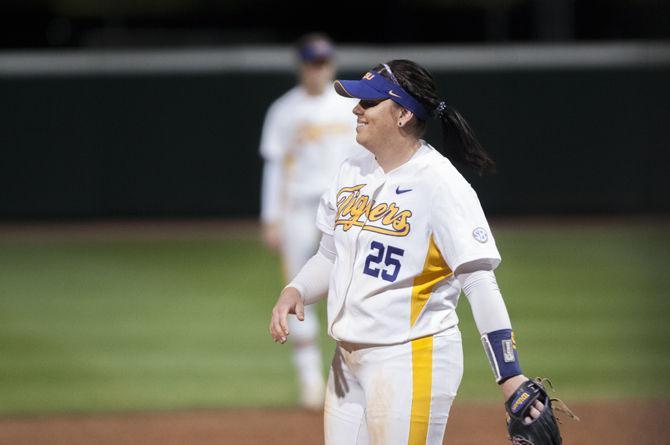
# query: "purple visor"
[375,86]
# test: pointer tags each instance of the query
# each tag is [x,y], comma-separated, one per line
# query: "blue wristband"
[501,351]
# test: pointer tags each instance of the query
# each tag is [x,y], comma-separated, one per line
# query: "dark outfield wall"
[186,145]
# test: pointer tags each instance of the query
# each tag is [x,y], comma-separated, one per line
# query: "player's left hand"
[530,423]
[510,386]
[289,302]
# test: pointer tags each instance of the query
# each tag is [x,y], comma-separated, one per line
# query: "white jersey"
[399,236]
[306,138]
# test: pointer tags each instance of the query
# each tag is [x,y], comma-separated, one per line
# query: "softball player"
[403,233]
[306,134]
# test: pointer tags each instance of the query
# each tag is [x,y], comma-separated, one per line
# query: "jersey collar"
[423,149]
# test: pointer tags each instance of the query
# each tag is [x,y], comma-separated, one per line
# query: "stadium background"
[134,291]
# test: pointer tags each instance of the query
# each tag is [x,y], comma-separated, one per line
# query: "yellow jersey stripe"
[422,382]
[435,269]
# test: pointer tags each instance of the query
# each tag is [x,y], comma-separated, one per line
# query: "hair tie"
[439,110]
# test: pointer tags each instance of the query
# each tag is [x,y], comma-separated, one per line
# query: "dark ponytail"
[459,140]
[457,133]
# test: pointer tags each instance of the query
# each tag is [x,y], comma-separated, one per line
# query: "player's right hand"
[289,302]
[272,236]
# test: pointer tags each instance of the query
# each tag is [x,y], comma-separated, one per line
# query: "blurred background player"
[307,133]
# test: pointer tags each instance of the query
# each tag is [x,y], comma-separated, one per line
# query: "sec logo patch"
[480,234]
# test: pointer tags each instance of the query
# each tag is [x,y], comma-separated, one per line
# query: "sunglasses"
[369,103]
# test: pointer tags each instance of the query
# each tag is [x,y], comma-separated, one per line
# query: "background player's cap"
[315,47]
[375,86]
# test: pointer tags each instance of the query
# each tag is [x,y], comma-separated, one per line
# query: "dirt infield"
[615,423]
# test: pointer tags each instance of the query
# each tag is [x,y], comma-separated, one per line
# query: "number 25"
[389,273]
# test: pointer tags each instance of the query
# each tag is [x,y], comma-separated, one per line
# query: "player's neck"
[392,154]
[313,90]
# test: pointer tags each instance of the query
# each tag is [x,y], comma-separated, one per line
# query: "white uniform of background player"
[307,134]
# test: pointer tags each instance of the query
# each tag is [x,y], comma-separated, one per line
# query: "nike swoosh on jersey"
[393,94]
[399,192]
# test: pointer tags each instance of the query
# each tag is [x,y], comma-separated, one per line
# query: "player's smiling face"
[375,120]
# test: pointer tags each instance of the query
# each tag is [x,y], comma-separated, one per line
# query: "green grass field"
[134,325]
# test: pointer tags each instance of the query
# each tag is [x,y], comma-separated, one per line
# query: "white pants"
[300,241]
[393,395]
